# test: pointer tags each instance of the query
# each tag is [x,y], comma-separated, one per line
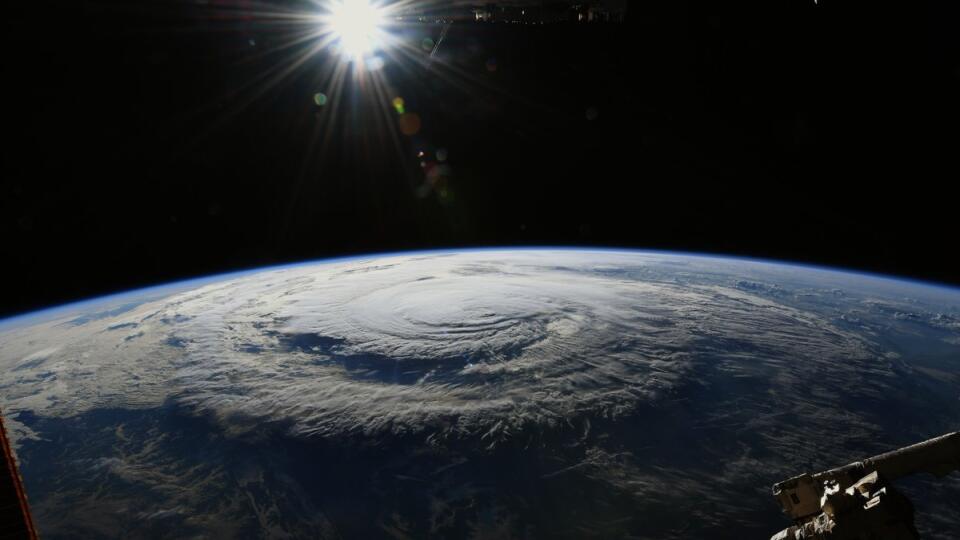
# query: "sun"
[358,26]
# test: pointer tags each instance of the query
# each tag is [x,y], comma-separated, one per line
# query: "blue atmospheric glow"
[164,289]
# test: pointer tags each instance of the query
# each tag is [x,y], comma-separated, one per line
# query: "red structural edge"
[11,464]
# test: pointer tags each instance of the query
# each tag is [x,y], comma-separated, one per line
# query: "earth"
[476,394]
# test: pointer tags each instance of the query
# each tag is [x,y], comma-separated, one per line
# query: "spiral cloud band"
[459,394]
[473,344]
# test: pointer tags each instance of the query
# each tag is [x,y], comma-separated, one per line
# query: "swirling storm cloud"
[674,389]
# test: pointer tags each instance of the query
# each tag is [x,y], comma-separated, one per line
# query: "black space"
[141,146]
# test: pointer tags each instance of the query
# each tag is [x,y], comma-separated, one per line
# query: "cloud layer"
[643,371]
[470,345]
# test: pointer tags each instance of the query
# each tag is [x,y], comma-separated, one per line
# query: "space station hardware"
[15,519]
[858,501]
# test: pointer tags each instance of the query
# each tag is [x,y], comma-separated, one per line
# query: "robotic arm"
[858,501]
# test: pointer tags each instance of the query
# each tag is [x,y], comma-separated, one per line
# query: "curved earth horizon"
[477,393]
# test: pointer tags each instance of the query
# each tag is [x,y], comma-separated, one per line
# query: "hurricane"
[642,375]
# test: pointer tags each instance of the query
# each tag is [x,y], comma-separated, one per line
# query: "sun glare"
[357,25]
